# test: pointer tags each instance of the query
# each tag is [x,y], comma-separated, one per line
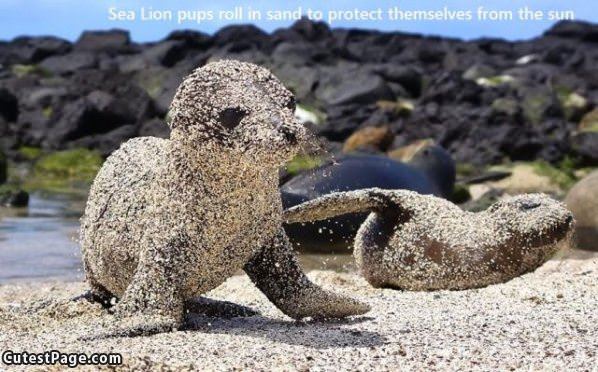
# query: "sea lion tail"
[339,203]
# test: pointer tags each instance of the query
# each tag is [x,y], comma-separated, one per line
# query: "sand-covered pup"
[421,242]
[431,170]
[169,219]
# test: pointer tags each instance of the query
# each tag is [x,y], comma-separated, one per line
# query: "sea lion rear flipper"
[276,272]
[339,203]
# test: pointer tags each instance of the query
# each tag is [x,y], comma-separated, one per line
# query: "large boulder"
[98,113]
[70,63]
[106,143]
[31,50]
[351,85]
[109,41]
[585,145]
[575,30]
[582,200]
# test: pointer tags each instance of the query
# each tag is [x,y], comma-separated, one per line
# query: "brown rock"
[582,200]
[589,123]
[407,152]
[379,138]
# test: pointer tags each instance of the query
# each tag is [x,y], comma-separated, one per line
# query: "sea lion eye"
[291,104]
[526,205]
[231,117]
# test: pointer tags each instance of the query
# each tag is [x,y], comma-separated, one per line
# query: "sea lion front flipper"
[339,203]
[276,272]
[154,290]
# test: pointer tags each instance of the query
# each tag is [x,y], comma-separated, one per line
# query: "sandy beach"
[545,320]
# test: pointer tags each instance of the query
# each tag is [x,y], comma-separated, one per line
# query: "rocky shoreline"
[485,100]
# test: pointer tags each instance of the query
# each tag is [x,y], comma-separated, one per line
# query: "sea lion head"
[239,107]
[534,220]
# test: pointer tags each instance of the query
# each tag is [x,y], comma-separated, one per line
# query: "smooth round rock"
[582,200]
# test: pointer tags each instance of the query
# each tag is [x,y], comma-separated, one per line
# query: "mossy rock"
[13,196]
[29,152]
[537,176]
[495,81]
[505,106]
[589,123]
[305,113]
[76,164]
[465,170]
[24,70]
[460,194]
[302,163]
[3,168]
[400,107]
[574,105]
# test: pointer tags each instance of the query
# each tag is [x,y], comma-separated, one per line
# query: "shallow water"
[40,242]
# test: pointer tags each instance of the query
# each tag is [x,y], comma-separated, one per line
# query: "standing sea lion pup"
[169,219]
[421,242]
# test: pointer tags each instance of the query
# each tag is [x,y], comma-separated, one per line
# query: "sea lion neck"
[222,166]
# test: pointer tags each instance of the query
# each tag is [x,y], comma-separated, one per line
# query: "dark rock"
[241,38]
[110,41]
[351,86]
[155,128]
[31,50]
[69,63]
[106,143]
[3,168]
[409,77]
[585,145]
[584,31]
[311,30]
[191,38]
[9,106]
[11,196]
[97,113]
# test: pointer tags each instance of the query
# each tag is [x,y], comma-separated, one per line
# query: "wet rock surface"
[484,100]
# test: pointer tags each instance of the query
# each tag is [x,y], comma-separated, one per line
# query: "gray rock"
[70,62]
[351,86]
[111,40]
[155,128]
[479,71]
[585,145]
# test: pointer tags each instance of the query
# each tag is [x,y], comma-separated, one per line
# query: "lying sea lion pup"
[421,242]
[170,219]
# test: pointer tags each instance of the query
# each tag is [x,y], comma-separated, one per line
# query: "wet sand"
[545,320]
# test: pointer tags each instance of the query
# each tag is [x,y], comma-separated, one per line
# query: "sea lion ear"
[339,203]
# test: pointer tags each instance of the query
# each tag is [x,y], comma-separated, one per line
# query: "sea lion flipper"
[276,272]
[155,287]
[339,203]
